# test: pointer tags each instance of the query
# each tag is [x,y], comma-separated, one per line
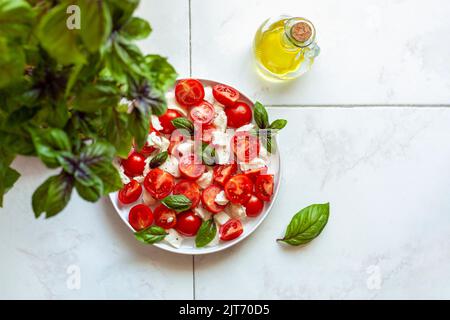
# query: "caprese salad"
[204,169]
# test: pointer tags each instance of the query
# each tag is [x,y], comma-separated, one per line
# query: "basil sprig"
[262,121]
[260,115]
[206,233]
[158,160]
[151,235]
[177,202]
[307,224]
[183,124]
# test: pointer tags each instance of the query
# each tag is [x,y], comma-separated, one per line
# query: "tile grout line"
[190,75]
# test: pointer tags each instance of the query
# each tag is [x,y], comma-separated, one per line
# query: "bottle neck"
[298,33]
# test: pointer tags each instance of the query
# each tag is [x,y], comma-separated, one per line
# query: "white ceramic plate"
[250,224]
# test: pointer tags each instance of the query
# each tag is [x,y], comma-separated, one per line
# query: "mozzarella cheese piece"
[220,120]
[205,179]
[246,127]
[139,179]
[221,218]
[185,148]
[165,143]
[148,199]
[154,140]
[174,238]
[172,103]
[255,163]
[236,211]
[209,95]
[125,179]
[155,123]
[171,166]
[220,138]
[223,154]
[202,213]
[221,199]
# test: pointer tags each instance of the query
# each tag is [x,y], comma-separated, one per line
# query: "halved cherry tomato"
[238,115]
[254,206]
[175,138]
[224,172]
[189,92]
[202,113]
[166,120]
[130,192]
[188,223]
[159,183]
[231,230]
[264,187]
[225,95]
[254,173]
[164,217]
[238,189]
[191,167]
[190,189]
[245,146]
[140,217]
[134,165]
[209,197]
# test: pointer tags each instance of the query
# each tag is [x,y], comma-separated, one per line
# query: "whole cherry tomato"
[238,115]
[188,223]
[166,120]
[134,165]
[254,206]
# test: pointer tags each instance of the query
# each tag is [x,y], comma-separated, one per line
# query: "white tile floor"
[374,144]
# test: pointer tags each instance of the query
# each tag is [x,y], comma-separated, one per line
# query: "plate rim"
[226,245]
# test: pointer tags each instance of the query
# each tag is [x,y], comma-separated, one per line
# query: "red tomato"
[245,146]
[239,189]
[254,206]
[231,230]
[209,197]
[164,217]
[207,131]
[146,149]
[159,183]
[188,223]
[264,187]
[254,173]
[225,95]
[140,217]
[166,120]
[189,189]
[189,92]
[176,138]
[191,167]
[130,192]
[238,115]
[202,113]
[134,165]
[224,172]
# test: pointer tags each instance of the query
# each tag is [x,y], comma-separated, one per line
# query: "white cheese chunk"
[221,218]
[221,199]
[155,123]
[154,140]
[147,166]
[184,148]
[171,166]
[220,120]
[205,179]
[202,213]
[236,211]
[148,199]
[255,163]
[246,127]
[139,179]
[209,95]
[220,138]
[125,179]
[173,104]
[165,143]
[223,154]
[174,238]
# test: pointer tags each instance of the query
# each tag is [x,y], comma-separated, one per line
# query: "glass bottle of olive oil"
[285,47]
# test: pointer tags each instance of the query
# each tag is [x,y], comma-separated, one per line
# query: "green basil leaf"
[151,235]
[49,143]
[93,98]
[183,124]
[12,63]
[208,154]
[177,202]
[95,23]
[307,224]
[53,195]
[206,233]
[136,29]
[8,177]
[90,188]
[161,73]
[116,130]
[60,42]
[158,160]
[278,124]
[16,18]
[260,115]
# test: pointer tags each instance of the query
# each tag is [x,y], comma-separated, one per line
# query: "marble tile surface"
[385,173]
[372,51]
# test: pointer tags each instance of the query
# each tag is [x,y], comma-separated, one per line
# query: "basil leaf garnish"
[307,224]
[177,202]
[260,115]
[206,233]
[278,124]
[183,124]
[151,235]
[158,160]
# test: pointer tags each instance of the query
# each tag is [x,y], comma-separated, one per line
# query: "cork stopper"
[301,31]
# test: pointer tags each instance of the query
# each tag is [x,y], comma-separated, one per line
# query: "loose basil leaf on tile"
[307,224]
[151,235]
[206,233]
[177,202]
